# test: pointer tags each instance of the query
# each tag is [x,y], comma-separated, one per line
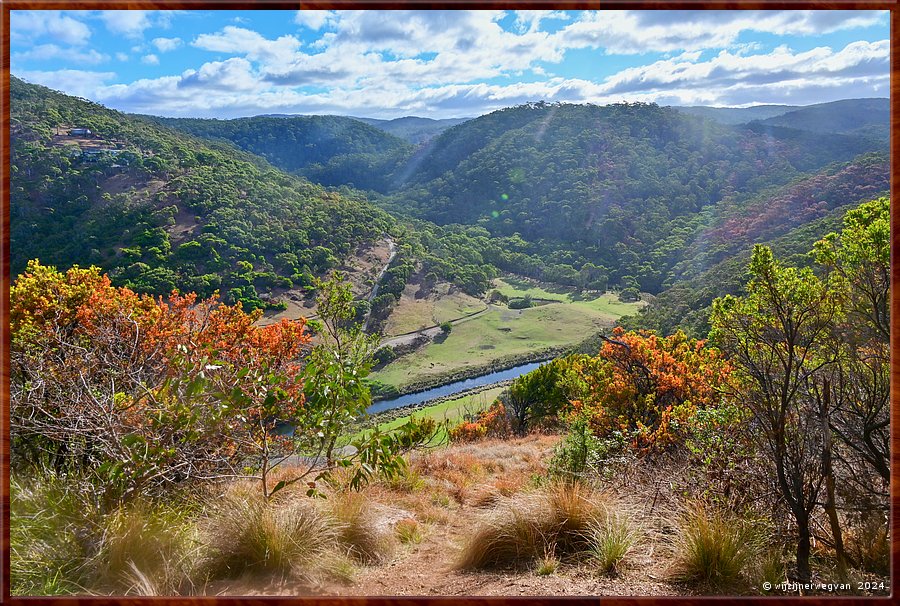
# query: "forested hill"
[625,187]
[736,115]
[331,150]
[159,209]
[849,116]
[790,219]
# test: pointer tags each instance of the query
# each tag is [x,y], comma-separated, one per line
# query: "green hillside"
[159,209]
[331,150]
[849,116]
[620,190]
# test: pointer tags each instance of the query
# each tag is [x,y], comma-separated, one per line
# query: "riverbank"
[392,414]
[471,372]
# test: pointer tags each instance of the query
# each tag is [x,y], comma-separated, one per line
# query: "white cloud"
[165,45]
[631,32]
[458,63]
[150,59]
[530,20]
[313,19]
[128,23]
[246,42]
[45,52]
[122,56]
[27,26]
[234,74]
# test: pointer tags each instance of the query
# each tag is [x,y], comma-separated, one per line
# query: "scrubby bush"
[493,422]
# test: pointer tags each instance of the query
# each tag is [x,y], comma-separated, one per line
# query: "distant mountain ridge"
[414,129]
[735,115]
[846,116]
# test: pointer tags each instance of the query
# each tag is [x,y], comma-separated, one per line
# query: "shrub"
[581,453]
[629,295]
[555,520]
[648,387]
[523,303]
[490,423]
[713,548]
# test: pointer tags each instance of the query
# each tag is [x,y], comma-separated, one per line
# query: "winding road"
[393,253]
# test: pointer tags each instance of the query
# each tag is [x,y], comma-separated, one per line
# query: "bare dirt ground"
[458,487]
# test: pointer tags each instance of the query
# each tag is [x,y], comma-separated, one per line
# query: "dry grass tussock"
[714,549]
[244,533]
[357,528]
[148,550]
[555,520]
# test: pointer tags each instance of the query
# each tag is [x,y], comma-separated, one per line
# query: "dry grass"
[555,520]
[714,549]
[408,531]
[612,539]
[244,533]
[147,550]
[869,545]
[357,529]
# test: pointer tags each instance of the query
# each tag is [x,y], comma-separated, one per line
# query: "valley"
[524,353]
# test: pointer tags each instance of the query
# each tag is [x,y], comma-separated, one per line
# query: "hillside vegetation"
[166,210]
[706,306]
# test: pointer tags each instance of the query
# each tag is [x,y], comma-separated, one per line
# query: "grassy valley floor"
[499,333]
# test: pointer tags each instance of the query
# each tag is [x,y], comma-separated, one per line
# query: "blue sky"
[440,64]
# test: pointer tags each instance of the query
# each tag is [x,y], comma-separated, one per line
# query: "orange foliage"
[490,423]
[649,387]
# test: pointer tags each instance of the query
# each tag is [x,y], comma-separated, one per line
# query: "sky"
[446,64]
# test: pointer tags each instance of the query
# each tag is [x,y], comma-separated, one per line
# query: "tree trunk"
[828,472]
[803,548]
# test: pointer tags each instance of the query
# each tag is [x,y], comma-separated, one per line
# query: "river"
[451,388]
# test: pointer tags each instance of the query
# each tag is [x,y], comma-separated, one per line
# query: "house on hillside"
[80,132]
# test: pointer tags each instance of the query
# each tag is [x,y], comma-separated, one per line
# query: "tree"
[778,335]
[537,395]
[336,367]
[858,261]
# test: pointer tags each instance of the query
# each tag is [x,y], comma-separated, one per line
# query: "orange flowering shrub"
[649,387]
[140,389]
[490,423]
